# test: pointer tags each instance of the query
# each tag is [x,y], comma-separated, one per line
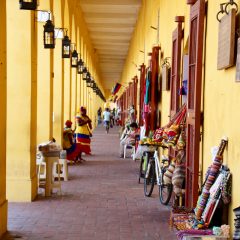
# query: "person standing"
[99,114]
[83,132]
[107,118]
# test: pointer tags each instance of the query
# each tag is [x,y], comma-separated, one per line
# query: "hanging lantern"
[89,80]
[48,34]
[88,77]
[93,83]
[85,73]
[28,4]
[94,87]
[66,47]
[80,66]
[88,84]
[74,59]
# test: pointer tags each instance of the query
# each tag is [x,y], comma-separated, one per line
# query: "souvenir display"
[211,177]
[236,234]
[179,173]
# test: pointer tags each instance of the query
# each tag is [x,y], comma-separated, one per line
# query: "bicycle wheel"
[165,190]
[149,179]
[140,170]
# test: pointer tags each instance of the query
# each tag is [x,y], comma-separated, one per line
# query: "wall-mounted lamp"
[28,4]
[66,46]
[87,76]
[74,57]
[85,71]
[80,66]
[48,34]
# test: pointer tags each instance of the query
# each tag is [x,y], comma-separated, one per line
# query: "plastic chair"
[63,168]
[132,147]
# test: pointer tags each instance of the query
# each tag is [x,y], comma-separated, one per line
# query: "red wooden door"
[176,66]
[197,13]
[177,36]
[154,87]
[135,86]
[141,95]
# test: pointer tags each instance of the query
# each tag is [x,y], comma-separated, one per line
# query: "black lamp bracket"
[224,8]
[50,14]
[166,62]
[65,30]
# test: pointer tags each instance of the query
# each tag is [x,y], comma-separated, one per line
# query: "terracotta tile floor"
[101,201]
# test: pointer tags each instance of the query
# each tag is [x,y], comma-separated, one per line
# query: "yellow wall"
[3,115]
[221,104]
[145,38]
[221,92]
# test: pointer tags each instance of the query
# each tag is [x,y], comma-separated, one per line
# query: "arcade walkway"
[101,201]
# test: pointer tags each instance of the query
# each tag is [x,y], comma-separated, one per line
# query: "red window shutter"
[141,95]
[197,14]
[176,66]
[177,36]
[154,87]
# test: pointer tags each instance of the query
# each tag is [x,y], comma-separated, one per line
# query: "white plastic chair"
[63,168]
[132,147]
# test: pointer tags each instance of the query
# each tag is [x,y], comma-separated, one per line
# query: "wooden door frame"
[197,11]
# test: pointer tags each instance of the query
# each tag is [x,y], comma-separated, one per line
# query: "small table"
[50,158]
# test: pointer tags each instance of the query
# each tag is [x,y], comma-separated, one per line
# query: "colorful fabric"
[82,135]
[116,88]
[148,88]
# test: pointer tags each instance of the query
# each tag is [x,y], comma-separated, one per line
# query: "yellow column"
[45,64]
[57,82]
[66,72]
[78,86]
[3,117]
[21,104]
[73,73]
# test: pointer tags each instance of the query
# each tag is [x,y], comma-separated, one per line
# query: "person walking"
[107,118]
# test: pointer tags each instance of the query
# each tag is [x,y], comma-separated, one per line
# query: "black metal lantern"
[74,59]
[88,77]
[88,84]
[66,47]
[48,34]
[28,4]
[80,66]
[85,71]
[93,84]
[85,74]
[94,87]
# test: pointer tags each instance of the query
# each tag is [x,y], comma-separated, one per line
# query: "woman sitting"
[129,138]
[73,150]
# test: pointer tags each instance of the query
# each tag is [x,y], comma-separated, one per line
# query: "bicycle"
[154,174]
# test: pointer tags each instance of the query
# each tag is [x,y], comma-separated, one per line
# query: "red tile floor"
[101,201]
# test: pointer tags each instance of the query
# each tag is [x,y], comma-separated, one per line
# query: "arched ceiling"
[111,24]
